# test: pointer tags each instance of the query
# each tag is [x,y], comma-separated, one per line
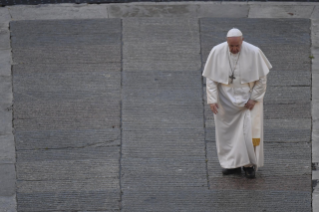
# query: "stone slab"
[67,169]
[7,179]
[57,11]
[222,10]
[287,111]
[315,145]
[5,62]
[4,37]
[158,87]
[75,55]
[98,200]
[152,10]
[82,153]
[162,116]
[163,143]
[287,95]
[315,13]
[27,69]
[177,10]
[55,139]
[315,33]
[142,173]
[6,89]
[8,204]
[288,78]
[280,11]
[5,16]
[7,149]
[65,27]
[161,44]
[315,60]
[57,86]
[203,200]
[62,115]
[6,127]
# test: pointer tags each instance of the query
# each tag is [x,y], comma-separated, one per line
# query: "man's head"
[234,39]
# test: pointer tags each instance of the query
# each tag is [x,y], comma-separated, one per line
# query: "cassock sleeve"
[211,90]
[259,89]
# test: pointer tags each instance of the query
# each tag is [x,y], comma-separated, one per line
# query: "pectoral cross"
[232,77]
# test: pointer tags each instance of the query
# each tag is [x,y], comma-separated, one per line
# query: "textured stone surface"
[220,10]
[8,204]
[151,10]
[147,46]
[57,11]
[67,114]
[7,179]
[177,10]
[203,200]
[7,149]
[280,11]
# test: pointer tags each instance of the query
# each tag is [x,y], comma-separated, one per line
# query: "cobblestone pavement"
[109,114]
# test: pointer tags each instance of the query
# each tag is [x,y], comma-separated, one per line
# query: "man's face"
[234,44]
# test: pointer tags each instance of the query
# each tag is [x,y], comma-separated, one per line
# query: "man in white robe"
[236,75]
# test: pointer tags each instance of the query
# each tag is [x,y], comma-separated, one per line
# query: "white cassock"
[239,131]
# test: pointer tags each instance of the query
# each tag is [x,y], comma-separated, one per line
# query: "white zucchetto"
[234,33]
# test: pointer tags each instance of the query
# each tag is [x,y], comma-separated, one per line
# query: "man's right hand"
[214,108]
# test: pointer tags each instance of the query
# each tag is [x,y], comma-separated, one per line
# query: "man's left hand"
[250,104]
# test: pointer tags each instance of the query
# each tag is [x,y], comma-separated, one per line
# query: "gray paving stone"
[5,16]
[152,10]
[160,44]
[7,179]
[6,118]
[162,116]
[203,200]
[7,149]
[288,78]
[8,204]
[67,114]
[68,169]
[57,11]
[315,13]
[82,153]
[4,37]
[76,55]
[139,173]
[287,111]
[5,62]
[28,69]
[315,145]
[6,89]
[65,27]
[93,47]
[315,60]
[158,87]
[315,33]
[57,86]
[54,139]
[99,200]
[163,143]
[62,115]
[278,11]
[287,95]
[220,10]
